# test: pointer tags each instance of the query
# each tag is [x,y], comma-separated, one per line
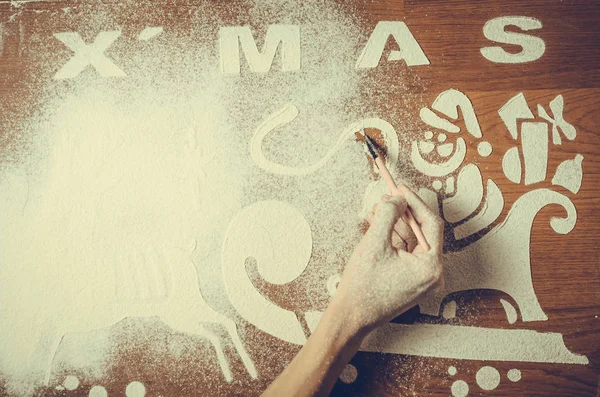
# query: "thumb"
[387,214]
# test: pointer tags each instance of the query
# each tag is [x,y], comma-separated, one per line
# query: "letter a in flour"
[259,61]
[410,50]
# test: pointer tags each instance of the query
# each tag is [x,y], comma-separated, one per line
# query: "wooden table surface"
[565,268]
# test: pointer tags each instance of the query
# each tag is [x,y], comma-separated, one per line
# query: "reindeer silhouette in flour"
[151,274]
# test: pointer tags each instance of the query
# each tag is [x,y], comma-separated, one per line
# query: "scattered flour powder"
[102,176]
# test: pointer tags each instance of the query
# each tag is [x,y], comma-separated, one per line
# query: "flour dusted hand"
[389,272]
[385,276]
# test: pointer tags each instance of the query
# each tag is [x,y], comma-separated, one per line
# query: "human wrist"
[345,321]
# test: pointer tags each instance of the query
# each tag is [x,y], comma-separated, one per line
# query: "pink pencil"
[385,173]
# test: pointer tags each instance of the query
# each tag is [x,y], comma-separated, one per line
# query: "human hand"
[381,280]
[389,272]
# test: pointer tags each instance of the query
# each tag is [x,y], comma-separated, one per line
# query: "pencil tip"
[370,145]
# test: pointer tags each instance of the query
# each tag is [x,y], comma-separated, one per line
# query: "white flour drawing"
[148,286]
[495,257]
[105,240]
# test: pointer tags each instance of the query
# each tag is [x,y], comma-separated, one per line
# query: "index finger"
[431,224]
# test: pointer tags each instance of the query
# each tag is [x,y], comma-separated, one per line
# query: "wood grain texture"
[565,269]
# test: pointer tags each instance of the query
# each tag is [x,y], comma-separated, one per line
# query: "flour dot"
[71,382]
[349,374]
[452,370]
[488,378]
[135,389]
[98,391]
[514,375]
[460,388]
[437,185]
[442,138]
[484,149]
[428,134]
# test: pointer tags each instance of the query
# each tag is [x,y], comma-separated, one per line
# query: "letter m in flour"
[232,38]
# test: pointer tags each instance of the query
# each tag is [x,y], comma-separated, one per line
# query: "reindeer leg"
[53,349]
[214,339]
[45,351]
[232,330]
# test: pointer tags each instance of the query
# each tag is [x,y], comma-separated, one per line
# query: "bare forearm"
[315,369]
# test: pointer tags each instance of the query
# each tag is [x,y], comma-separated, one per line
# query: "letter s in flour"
[532,47]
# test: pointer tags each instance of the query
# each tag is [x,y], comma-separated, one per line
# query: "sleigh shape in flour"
[490,257]
[495,257]
[477,343]
[479,262]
